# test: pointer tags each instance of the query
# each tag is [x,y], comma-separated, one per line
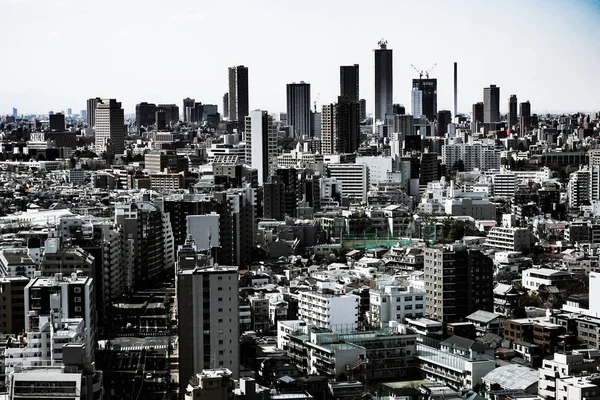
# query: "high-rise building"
[69,112]
[207,299]
[110,128]
[226,106]
[444,118]
[171,112]
[525,109]
[188,105]
[349,82]
[512,117]
[91,111]
[491,104]
[458,282]
[403,124]
[455,89]
[477,117]
[145,114]
[398,109]
[57,122]
[340,127]
[428,88]
[161,120]
[416,100]
[238,94]
[84,114]
[261,144]
[298,108]
[384,84]
[15,113]
[363,109]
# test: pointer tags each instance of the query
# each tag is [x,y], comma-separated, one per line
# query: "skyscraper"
[340,127]
[15,113]
[91,111]
[145,114]
[416,100]
[207,299]
[363,109]
[428,88]
[477,117]
[261,144]
[188,105]
[226,106]
[57,122]
[444,117]
[349,82]
[384,84]
[491,104]
[512,117]
[110,128]
[171,112]
[455,89]
[238,94]
[525,109]
[298,108]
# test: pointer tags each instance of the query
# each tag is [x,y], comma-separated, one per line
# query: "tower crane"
[430,69]
[419,72]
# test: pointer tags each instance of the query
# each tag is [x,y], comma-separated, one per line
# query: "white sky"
[58,53]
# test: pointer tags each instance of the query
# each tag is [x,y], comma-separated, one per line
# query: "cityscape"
[342,247]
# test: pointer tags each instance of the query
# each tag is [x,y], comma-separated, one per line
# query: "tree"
[459,166]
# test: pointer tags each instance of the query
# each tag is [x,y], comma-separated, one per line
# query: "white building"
[377,167]
[473,155]
[353,179]
[555,374]
[329,310]
[504,184]
[584,186]
[109,127]
[204,230]
[509,239]
[395,303]
[416,101]
[533,278]
[261,144]
[480,209]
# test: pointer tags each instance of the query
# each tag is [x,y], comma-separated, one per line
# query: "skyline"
[546,52]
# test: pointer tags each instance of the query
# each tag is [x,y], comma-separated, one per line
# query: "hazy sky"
[58,53]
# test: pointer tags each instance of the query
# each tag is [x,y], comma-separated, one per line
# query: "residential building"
[533,278]
[555,376]
[340,127]
[109,128]
[91,111]
[491,104]
[395,303]
[352,180]
[509,239]
[238,94]
[217,384]
[330,311]
[474,156]
[261,144]
[12,303]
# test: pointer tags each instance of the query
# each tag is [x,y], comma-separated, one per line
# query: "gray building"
[91,111]
[525,109]
[238,94]
[491,104]
[207,299]
[298,108]
[109,128]
[384,84]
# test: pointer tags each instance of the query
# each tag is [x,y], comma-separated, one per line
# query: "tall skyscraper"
[512,117]
[444,117]
[340,127]
[91,111]
[491,104]
[261,144]
[188,105]
[416,100]
[226,106]
[477,117]
[207,299]
[525,109]
[238,94]
[145,114]
[109,127]
[458,281]
[363,109]
[15,113]
[171,112]
[428,88]
[349,82]
[298,108]
[455,89]
[57,122]
[384,84]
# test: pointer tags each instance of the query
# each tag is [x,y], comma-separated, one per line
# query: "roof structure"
[513,377]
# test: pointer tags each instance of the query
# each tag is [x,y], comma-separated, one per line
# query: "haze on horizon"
[58,53]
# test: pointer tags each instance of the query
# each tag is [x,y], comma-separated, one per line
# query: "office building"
[15,113]
[188,105]
[110,128]
[226,106]
[207,301]
[349,82]
[171,112]
[458,282]
[512,117]
[403,124]
[57,122]
[384,84]
[491,104]
[298,109]
[340,127]
[444,118]
[261,144]
[238,94]
[91,111]
[428,89]
[353,180]
[455,89]
[477,116]
[145,114]
[363,109]
[476,155]
[525,109]
[416,101]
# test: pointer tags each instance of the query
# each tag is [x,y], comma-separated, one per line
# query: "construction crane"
[419,72]
[430,69]
[315,102]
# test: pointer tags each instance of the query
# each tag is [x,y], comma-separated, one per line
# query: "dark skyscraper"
[298,108]
[188,105]
[340,127]
[91,111]
[161,120]
[171,112]
[238,94]
[145,114]
[428,87]
[525,109]
[398,109]
[491,104]
[512,117]
[444,117]
[226,106]
[363,109]
[349,82]
[384,83]
[57,122]
[455,89]
[477,116]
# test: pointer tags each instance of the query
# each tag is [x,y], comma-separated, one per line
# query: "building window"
[77,299]
[77,309]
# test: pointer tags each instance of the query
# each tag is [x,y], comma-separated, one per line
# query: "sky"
[58,53]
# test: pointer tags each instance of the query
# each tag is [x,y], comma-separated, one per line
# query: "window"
[77,299]
[77,309]
[220,288]
[220,320]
